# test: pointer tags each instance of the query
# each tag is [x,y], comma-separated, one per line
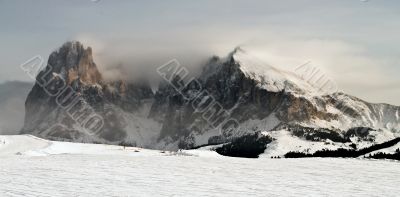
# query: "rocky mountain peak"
[237,50]
[75,62]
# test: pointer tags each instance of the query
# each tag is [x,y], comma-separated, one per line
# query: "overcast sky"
[357,42]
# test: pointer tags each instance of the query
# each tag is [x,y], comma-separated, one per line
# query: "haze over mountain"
[240,89]
[12,101]
[283,33]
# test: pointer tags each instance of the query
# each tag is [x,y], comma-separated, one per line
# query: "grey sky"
[355,42]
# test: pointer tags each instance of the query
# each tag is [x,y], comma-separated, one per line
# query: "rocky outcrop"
[70,90]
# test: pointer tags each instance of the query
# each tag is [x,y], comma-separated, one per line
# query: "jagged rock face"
[127,96]
[239,96]
[300,109]
[232,88]
[72,61]
[72,79]
[235,91]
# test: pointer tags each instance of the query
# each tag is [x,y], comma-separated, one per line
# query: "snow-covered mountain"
[261,98]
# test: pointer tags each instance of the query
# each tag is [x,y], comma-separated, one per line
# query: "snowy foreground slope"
[30,166]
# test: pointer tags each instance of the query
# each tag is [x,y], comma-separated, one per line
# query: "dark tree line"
[380,155]
[321,134]
[248,146]
[345,153]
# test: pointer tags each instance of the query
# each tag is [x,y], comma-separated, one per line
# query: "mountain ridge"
[258,99]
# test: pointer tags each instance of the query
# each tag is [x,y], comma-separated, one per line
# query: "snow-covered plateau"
[31,166]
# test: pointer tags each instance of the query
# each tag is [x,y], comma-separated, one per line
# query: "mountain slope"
[261,97]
